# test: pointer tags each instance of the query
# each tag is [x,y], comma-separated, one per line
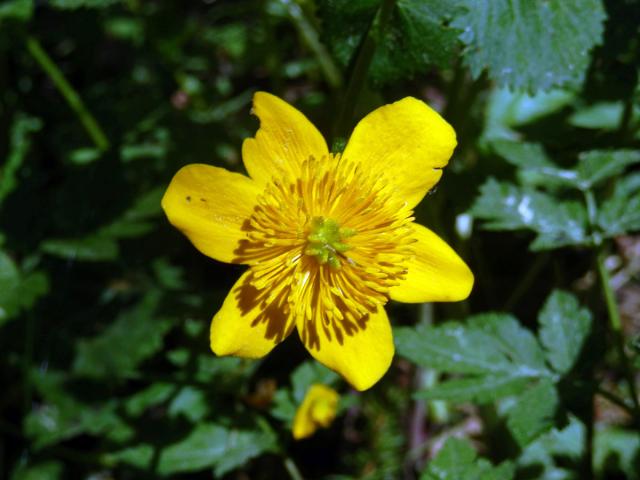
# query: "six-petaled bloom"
[317,410]
[328,238]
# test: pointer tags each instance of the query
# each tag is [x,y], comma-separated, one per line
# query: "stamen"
[332,241]
[326,240]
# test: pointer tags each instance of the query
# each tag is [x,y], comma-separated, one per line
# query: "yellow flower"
[318,409]
[328,238]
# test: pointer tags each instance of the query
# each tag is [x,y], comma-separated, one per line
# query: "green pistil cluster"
[326,240]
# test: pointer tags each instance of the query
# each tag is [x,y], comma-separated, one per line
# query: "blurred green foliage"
[104,308]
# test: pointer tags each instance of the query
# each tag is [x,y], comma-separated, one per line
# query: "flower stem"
[68,92]
[310,36]
[360,70]
[292,469]
[616,328]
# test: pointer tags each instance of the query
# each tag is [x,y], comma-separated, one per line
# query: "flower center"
[326,240]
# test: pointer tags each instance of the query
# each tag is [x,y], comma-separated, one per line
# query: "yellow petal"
[209,205]
[286,138]
[361,352]
[248,325]
[318,409]
[407,142]
[435,274]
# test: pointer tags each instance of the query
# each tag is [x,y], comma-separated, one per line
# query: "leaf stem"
[292,469]
[310,36]
[613,398]
[360,69]
[591,206]
[616,328]
[524,285]
[68,92]
[627,112]
[625,119]
[27,360]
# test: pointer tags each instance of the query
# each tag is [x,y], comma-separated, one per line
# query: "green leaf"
[85,156]
[522,154]
[146,206]
[18,290]
[531,45]
[598,165]
[487,344]
[133,337]
[344,25]
[284,406]
[535,168]
[415,38]
[227,373]
[126,28]
[501,356]
[564,327]
[151,396]
[457,460]
[233,38]
[533,413]
[593,167]
[102,245]
[620,213]
[74,4]
[507,109]
[42,471]
[134,222]
[480,389]
[287,400]
[306,375]
[211,445]
[21,131]
[16,9]
[553,453]
[601,116]
[453,462]
[52,423]
[129,153]
[505,206]
[617,451]
[189,402]
[61,416]
[169,276]
[91,248]
[139,456]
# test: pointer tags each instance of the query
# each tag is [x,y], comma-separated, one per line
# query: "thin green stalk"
[613,398]
[589,440]
[624,126]
[616,328]
[527,281]
[68,92]
[360,70]
[292,469]
[625,119]
[592,211]
[461,96]
[454,89]
[310,36]
[27,360]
